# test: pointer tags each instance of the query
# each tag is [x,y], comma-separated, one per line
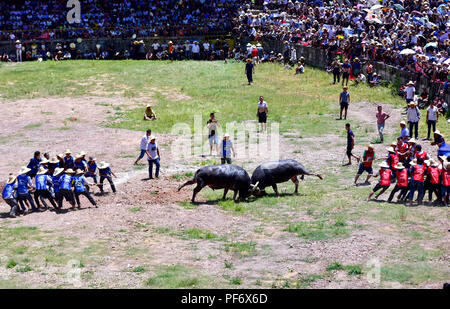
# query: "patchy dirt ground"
[149,224]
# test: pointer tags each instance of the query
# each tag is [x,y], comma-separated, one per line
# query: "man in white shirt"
[413,117]
[206,50]
[144,143]
[432,118]
[196,51]
[410,91]
[18,51]
[153,157]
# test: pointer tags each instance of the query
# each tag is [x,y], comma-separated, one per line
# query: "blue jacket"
[8,190]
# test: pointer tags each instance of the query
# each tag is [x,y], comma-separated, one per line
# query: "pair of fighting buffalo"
[233,177]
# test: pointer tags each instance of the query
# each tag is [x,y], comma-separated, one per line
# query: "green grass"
[33,126]
[178,277]
[139,269]
[241,249]
[318,230]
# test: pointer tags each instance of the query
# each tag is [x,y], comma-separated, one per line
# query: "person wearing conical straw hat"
[438,139]
[417,180]
[404,133]
[153,157]
[68,160]
[413,117]
[43,184]
[24,186]
[65,188]
[105,173]
[385,174]
[8,195]
[445,188]
[392,159]
[52,164]
[18,51]
[402,184]
[56,180]
[366,164]
[432,183]
[78,163]
[80,183]
[410,91]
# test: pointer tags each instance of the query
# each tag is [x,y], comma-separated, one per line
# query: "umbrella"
[431,44]
[399,7]
[375,20]
[376,7]
[407,51]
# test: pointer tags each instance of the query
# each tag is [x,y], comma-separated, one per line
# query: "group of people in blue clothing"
[63,177]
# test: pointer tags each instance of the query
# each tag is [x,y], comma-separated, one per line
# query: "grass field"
[323,237]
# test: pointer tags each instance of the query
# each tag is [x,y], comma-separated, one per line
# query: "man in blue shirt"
[68,160]
[227,149]
[56,180]
[404,134]
[34,164]
[65,188]
[350,145]
[344,102]
[80,182]
[105,173]
[43,183]
[92,169]
[79,163]
[24,184]
[8,195]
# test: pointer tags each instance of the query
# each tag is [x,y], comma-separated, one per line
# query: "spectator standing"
[346,72]
[249,70]
[212,124]
[432,118]
[18,51]
[344,102]
[413,117]
[262,112]
[381,119]
[227,149]
[410,91]
[336,65]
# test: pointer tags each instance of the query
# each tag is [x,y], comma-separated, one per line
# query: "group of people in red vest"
[410,169]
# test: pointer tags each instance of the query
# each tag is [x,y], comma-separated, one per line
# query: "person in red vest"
[433,174]
[366,164]
[402,183]
[385,180]
[402,149]
[392,160]
[421,154]
[418,174]
[445,188]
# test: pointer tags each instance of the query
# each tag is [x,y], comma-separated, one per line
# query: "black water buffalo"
[271,173]
[227,177]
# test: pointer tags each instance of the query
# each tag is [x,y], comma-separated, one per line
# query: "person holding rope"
[366,164]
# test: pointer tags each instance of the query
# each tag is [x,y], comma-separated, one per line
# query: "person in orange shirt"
[417,182]
[445,188]
[366,164]
[385,174]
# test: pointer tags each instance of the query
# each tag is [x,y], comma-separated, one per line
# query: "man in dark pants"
[350,145]
[153,157]
[432,118]
[249,70]
[43,183]
[413,117]
[65,188]
[227,148]
[34,164]
[433,178]
[8,195]
[24,185]
[80,184]
[417,182]
[402,183]
[344,102]
[105,173]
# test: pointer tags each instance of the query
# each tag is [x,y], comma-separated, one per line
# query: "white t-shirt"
[410,90]
[144,142]
[432,113]
[262,105]
[152,150]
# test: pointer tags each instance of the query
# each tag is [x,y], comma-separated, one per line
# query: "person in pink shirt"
[381,119]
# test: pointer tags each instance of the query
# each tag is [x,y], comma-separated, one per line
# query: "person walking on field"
[263,110]
[249,70]
[227,149]
[344,102]
[153,157]
[413,117]
[350,145]
[381,119]
[144,143]
[432,118]
[366,164]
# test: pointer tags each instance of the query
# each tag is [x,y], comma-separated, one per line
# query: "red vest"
[385,177]
[434,175]
[403,148]
[419,172]
[368,155]
[422,155]
[445,178]
[402,178]
[393,160]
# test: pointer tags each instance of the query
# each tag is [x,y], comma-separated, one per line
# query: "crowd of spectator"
[409,34]
[31,19]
